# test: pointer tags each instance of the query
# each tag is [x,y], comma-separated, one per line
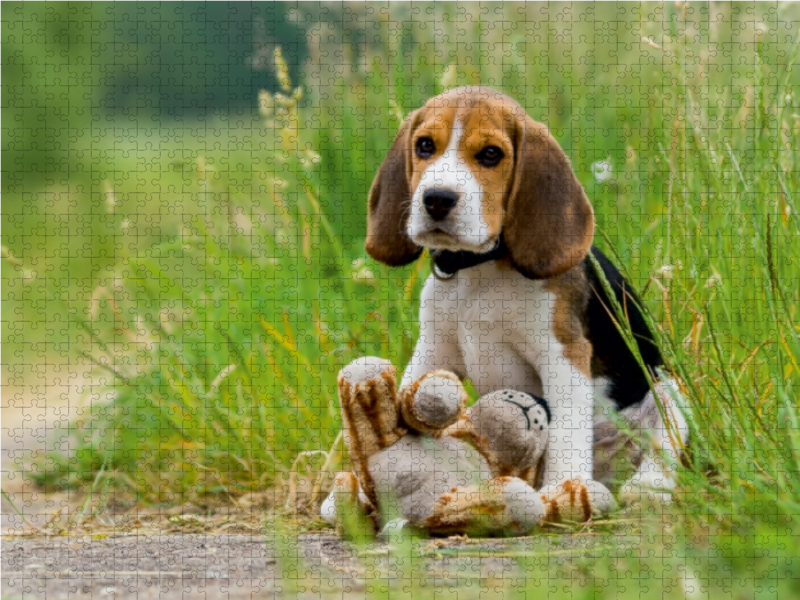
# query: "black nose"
[439,202]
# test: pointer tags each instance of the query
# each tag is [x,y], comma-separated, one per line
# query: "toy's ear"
[549,222]
[390,204]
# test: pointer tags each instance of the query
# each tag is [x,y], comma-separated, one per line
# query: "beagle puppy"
[513,301]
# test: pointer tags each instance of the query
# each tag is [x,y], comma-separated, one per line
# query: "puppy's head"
[468,166]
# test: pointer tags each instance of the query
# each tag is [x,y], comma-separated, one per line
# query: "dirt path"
[247,566]
[30,411]
[169,566]
[150,567]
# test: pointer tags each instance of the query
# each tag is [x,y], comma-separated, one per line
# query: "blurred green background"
[184,190]
[108,107]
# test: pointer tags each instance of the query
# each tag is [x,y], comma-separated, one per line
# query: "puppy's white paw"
[647,488]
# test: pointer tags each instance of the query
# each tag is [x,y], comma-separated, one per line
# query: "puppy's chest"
[491,306]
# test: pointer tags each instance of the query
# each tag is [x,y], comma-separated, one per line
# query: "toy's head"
[514,427]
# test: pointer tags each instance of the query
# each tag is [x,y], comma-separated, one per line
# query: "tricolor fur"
[468,171]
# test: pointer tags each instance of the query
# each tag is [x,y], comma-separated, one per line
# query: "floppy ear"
[390,205]
[549,222]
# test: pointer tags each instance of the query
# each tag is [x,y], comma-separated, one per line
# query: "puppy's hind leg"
[655,477]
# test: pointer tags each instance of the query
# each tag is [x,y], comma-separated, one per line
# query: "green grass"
[221,325]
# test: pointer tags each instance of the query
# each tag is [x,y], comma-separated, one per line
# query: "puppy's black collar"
[445,264]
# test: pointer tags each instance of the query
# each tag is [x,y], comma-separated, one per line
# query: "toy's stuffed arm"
[370,415]
[381,432]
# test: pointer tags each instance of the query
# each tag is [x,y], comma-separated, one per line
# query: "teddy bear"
[420,457]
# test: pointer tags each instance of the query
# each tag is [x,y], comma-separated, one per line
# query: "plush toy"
[419,456]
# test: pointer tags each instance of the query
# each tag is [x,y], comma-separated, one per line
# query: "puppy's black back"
[611,357]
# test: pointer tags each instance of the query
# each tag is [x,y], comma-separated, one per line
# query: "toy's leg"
[576,500]
[499,506]
[434,401]
[371,415]
[509,506]
[655,467]
[413,474]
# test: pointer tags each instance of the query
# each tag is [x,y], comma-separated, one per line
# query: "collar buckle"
[437,274]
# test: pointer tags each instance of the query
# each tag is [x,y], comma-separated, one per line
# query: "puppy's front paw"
[433,402]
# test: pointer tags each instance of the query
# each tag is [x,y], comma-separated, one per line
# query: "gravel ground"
[169,566]
[249,566]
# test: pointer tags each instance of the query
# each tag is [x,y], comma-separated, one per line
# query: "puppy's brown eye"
[425,147]
[489,156]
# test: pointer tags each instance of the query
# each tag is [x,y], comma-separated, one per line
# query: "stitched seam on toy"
[524,409]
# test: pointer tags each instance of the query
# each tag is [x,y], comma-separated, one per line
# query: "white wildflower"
[602,170]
